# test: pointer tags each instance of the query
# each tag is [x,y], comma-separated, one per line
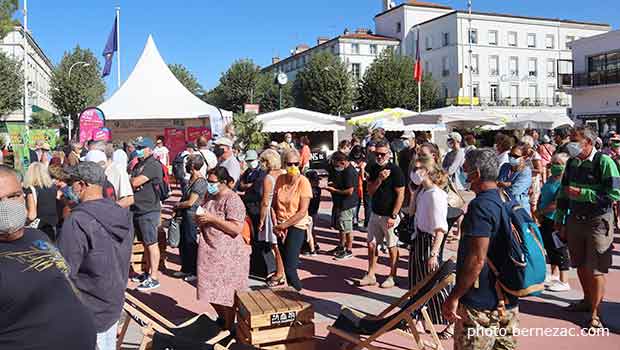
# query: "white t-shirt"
[211,161]
[118,177]
[161,153]
[234,168]
[503,158]
[431,210]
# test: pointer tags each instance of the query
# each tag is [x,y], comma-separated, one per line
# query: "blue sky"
[208,35]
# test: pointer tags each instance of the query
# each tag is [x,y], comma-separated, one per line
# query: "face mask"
[68,192]
[416,178]
[13,213]
[140,153]
[253,164]
[289,140]
[557,170]
[212,188]
[574,149]
[292,170]
[219,152]
[615,145]
[515,161]
[339,169]
[450,144]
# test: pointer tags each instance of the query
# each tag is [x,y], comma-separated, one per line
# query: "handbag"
[455,200]
[174,232]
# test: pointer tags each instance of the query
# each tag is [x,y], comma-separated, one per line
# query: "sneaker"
[306,253]
[336,250]
[388,283]
[368,281]
[314,253]
[549,280]
[558,286]
[148,284]
[179,274]
[579,306]
[190,278]
[343,255]
[140,278]
[317,248]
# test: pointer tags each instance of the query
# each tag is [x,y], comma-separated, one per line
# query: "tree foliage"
[269,93]
[324,85]
[7,9]
[186,78]
[389,83]
[11,85]
[249,131]
[45,120]
[238,85]
[84,88]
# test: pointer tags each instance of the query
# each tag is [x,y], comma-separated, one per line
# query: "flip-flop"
[272,283]
[595,323]
[447,333]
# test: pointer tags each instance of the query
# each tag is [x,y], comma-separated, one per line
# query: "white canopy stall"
[389,119]
[540,120]
[458,117]
[152,99]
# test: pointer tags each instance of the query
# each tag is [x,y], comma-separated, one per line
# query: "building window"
[513,66]
[476,92]
[494,65]
[531,40]
[551,68]
[494,92]
[474,64]
[445,66]
[446,92]
[446,39]
[427,67]
[333,49]
[549,41]
[356,70]
[493,36]
[429,43]
[532,93]
[512,38]
[531,67]
[473,36]
[355,48]
[398,27]
[569,38]
[373,49]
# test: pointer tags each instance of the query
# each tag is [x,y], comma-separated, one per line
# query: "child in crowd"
[311,248]
[557,251]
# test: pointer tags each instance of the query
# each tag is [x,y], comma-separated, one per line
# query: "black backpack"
[178,166]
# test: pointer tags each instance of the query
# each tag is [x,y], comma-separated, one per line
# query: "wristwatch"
[394,216]
[433,254]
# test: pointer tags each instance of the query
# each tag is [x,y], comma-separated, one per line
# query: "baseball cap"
[95,156]
[224,141]
[455,136]
[408,135]
[89,172]
[251,155]
[144,142]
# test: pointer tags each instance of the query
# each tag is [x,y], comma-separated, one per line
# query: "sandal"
[595,323]
[276,282]
[447,333]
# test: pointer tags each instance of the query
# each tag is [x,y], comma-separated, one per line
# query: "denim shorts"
[146,226]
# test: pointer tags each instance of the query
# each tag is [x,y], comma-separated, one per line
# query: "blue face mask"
[515,161]
[68,192]
[140,153]
[212,188]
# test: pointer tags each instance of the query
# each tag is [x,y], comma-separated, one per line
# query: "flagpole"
[118,46]
[419,96]
[419,58]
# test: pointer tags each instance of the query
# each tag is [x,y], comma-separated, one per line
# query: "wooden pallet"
[274,319]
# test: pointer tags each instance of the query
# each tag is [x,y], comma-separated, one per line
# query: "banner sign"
[91,120]
[194,132]
[46,135]
[175,141]
[102,134]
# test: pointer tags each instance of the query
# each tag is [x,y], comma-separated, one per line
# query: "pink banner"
[102,134]
[194,132]
[91,120]
[175,141]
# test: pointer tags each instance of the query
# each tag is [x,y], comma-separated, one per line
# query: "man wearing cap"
[208,157]
[146,176]
[226,158]
[116,175]
[406,155]
[454,160]
[96,241]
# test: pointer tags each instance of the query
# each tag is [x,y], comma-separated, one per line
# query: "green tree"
[186,78]
[389,83]
[324,85]
[249,131]
[84,88]
[269,93]
[45,120]
[11,85]
[238,85]
[7,9]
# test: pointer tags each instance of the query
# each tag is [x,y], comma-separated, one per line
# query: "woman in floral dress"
[223,256]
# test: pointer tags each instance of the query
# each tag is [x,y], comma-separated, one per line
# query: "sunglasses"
[381,154]
[293,164]
[515,156]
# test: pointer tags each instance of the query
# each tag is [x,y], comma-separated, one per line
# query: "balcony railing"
[556,101]
[605,77]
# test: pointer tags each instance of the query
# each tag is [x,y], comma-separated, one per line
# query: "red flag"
[417,69]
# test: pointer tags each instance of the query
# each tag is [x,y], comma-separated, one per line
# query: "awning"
[299,120]
[458,117]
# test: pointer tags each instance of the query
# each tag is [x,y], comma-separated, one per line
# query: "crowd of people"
[67,225]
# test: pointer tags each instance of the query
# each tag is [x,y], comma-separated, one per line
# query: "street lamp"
[84,64]
[70,121]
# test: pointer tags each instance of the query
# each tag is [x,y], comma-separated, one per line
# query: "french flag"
[417,69]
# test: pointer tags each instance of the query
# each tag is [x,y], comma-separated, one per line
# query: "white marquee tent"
[391,119]
[458,117]
[153,92]
[540,120]
[301,120]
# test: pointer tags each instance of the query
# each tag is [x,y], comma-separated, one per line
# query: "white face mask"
[574,149]
[253,164]
[416,178]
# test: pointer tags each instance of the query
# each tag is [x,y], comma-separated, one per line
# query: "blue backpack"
[520,271]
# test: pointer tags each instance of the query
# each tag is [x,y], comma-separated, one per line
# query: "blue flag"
[110,47]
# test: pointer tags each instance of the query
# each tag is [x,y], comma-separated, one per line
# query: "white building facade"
[595,79]
[357,50]
[39,70]
[514,58]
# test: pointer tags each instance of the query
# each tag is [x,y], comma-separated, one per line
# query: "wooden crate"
[275,320]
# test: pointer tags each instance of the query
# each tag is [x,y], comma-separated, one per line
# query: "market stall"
[540,120]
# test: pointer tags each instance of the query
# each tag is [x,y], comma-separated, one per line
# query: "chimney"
[346,31]
[275,59]
[300,48]
[363,31]
[322,40]
[387,4]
